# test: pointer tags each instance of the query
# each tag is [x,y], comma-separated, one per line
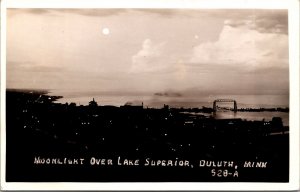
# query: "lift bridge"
[225,101]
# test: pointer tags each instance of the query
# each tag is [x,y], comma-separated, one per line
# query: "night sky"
[149,50]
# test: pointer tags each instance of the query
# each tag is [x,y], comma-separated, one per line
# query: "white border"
[276,4]
[291,5]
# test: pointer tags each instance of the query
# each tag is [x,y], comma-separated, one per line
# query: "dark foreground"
[47,141]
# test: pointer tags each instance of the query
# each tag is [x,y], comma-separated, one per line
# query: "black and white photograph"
[139,95]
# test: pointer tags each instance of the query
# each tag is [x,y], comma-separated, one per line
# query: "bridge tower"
[225,101]
[234,106]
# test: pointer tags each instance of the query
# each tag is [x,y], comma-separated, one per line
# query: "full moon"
[105,31]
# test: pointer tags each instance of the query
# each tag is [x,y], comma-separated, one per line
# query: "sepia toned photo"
[147,95]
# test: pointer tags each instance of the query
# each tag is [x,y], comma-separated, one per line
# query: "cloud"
[97,12]
[168,94]
[55,12]
[263,21]
[31,10]
[149,58]
[244,48]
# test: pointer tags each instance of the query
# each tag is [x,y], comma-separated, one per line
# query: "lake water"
[253,116]
[187,101]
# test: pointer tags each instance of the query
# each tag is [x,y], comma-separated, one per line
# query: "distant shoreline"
[37,91]
[187,109]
